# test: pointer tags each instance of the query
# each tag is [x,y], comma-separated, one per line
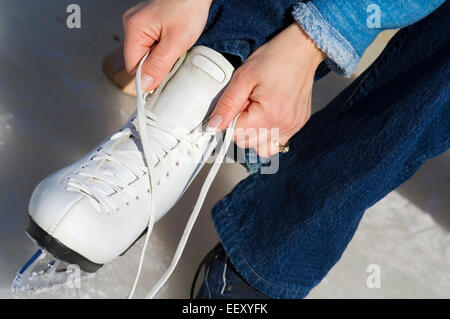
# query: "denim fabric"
[284,232]
[339,28]
[344,29]
[239,27]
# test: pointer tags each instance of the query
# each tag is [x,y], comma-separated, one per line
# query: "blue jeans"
[284,232]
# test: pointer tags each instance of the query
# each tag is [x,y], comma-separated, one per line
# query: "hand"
[169,28]
[272,89]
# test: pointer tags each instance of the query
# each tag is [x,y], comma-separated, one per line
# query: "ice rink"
[56,104]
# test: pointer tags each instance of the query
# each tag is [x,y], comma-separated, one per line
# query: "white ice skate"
[95,209]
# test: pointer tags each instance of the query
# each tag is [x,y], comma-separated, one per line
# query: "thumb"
[159,63]
[233,100]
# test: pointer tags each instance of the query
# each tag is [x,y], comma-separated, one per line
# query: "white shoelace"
[107,181]
[141,111]
[111,167]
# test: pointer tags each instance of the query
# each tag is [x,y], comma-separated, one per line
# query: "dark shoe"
[221,280]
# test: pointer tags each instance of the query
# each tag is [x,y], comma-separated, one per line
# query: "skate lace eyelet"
[177,163]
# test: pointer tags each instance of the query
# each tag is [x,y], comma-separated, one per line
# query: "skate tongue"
[190,94]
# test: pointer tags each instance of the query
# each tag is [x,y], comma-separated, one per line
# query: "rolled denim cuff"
[341,56]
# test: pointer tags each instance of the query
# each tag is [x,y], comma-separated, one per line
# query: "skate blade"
[43,272]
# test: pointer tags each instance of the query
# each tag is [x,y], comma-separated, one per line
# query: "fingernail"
[146,81]
[215,121]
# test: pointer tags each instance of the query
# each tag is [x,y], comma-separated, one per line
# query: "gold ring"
[283,148]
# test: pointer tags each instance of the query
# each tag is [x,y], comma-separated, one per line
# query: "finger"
[252,135]
[252,127]
[267,149]
[233,100]
[251,138]
[252,118]
[134,49]
[136,42]
[160,61]
[303,117]
[272,147]
[284,140]
[275,141]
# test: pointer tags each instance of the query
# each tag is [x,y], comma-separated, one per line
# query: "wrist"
[306,45]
